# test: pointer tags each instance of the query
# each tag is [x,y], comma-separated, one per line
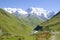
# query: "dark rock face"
[38,28]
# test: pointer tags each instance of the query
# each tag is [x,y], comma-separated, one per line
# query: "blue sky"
[53,5]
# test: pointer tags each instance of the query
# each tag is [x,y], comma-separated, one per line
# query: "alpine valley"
[19,24]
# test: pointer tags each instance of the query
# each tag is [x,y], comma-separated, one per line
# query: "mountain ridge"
[53,24]
[31,11]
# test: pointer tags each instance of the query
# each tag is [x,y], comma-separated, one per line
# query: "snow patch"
[13,10]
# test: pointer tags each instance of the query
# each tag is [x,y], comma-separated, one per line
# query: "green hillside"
[52,24]
[21,28]
[11,26]
[29,20]
[51,29]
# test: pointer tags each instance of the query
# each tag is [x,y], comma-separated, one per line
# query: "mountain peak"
[37,10]
[41,12]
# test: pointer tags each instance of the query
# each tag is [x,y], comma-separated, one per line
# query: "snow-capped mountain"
[39,12]
[14,10]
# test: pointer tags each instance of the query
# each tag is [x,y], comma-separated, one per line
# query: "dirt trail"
[53,37]
[55,32]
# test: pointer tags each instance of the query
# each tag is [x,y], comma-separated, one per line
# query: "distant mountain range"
[38,12]
[31,16]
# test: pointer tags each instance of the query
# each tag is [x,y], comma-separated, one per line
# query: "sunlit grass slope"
[13,28]
[52,24]
[9,23]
